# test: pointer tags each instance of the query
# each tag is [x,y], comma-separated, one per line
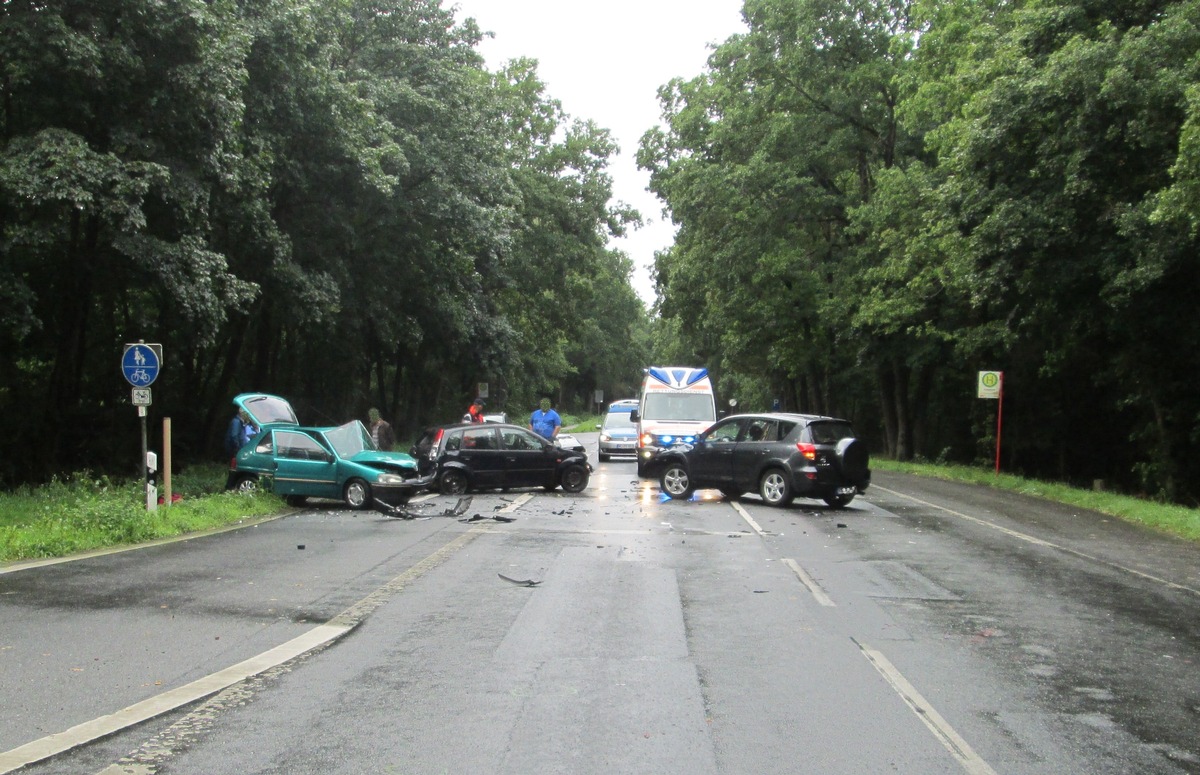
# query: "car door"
[710,462]
[530,461]
[479,450]
[760,438]
[303,466]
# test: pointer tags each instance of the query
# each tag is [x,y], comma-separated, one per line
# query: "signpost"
[140,363]
[991,385]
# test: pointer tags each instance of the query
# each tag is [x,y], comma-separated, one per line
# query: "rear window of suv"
[829,432]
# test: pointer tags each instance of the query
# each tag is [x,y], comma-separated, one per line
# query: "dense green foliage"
[335,201]
[876,200]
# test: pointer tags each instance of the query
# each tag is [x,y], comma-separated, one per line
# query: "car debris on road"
[407,511]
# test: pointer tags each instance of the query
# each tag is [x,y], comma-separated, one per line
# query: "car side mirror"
[634,416]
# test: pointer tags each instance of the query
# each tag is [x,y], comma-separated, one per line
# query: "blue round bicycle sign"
[140,364]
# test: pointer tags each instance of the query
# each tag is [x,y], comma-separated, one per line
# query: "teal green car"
[339,463]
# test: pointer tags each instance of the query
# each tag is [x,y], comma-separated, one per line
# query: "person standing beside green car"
[381,431]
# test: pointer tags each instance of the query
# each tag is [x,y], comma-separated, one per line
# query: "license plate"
[845,491]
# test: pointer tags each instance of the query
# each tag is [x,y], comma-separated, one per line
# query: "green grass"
[85,512]
[1175,520]
[586,424]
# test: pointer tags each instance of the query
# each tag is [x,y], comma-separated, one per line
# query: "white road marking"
[319,636]
[746,516]
[808,581]
[954,742]
[516,504]
[167,701]
[1041,542]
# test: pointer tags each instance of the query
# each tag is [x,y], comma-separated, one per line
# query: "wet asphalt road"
[928,628]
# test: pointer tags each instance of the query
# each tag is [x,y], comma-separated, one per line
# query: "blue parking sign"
[140,363]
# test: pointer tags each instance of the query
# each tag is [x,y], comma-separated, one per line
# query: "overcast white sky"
[605,61]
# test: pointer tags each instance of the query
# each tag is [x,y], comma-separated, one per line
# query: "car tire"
[775,488]
[641,469]
[675,481]
[731,493]
[837,501]
[574,478]
[603,458]
[357,494]
[246,483]
[453,482]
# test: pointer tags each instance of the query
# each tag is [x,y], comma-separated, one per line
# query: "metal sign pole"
[991,385]
[140,363]
[145,478]
[999,423]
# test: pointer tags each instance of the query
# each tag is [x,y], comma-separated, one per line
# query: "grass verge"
[85,512]
[1178,521]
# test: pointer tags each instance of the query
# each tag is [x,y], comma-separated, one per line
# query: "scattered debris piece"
[841,524]
[407,511]
[496,517]
[299,546]
[519,582]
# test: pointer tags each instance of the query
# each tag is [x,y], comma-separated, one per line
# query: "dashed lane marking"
[808,581]
[972,762]
[746,516]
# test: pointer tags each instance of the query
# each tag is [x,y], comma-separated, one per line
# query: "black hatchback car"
[779,456]
[472,456]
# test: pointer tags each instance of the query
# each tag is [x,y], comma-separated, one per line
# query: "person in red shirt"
[475,413]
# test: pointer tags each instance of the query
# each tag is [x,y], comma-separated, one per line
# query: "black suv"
[482,456]
[781,456]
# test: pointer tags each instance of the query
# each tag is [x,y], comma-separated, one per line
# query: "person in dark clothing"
[381,431]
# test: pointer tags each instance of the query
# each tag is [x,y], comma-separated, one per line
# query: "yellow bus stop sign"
[990,383]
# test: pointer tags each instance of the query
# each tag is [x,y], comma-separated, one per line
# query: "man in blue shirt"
[545,422]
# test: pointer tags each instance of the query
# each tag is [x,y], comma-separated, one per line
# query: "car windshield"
[618,420]
[350,439]
[830,432]
[679,406]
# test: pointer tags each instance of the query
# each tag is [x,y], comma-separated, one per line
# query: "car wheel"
[247,483]
[357,494]
[641,469]
[837,501]
[603,458]
[574,478]
[295,500]
[731,493]
[453,483]
[675,481]
[775,488]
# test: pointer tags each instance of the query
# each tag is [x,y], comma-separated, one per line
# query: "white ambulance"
[676,404]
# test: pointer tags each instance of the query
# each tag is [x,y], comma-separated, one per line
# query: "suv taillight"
[808,450]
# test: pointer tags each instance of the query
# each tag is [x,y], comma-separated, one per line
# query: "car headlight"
[605,437]
[390,479]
